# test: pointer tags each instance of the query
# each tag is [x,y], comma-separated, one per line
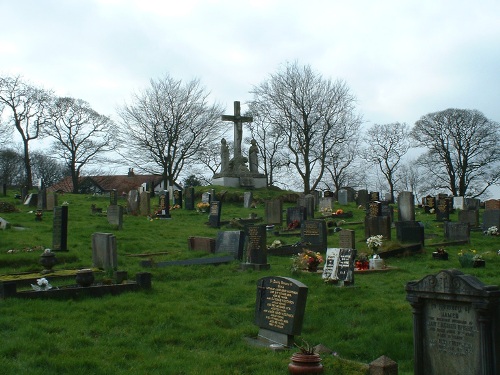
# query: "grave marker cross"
[238,121]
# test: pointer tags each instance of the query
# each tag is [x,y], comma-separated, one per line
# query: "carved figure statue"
[224,155]
[253,161]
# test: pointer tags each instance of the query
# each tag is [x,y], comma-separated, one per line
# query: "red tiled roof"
[122,183]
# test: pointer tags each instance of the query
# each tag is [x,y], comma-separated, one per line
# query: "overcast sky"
[401,59]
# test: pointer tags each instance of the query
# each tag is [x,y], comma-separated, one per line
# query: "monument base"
[274,337]
[236,182]
[255,266]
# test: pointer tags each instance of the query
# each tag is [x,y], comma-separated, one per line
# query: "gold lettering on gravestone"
[451,329]
[311,229]
[280,305]
[374,209]
[214,209]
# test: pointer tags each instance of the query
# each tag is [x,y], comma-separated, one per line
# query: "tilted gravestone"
[256,248]
[274,212]
[214,214]
[230,242]
[114,215]
[60,229]
[455,325]
[339,266]
[104,251]
[313,233]
[279,309]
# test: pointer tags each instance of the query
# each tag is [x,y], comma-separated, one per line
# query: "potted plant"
[306,361]
[470,258]
[440,253]
[307,260]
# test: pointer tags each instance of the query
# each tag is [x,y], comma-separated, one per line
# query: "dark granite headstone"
[4,190]
[115,216]
[443,209]
[313,233]
[279,309]
[178,198]
[328,194]
[256,247]
[410,232]
[375,209]
[472,204]
[430,204]
[347,239]
[113,197]
[362,197]
[387,210]
[274,212]
[455,325]
[31,200]
[189,198]
[164,205]
[378,225]
[339,266]
[456,231]
[60,229]
[214,214]
[491,218]
[308,203]
[295,214]
[406,206]
[231,242]
[469,216]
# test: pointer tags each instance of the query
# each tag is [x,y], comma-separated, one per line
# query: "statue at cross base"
[235,172]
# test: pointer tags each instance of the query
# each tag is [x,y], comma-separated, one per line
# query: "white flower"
[374,242]
[42,282]
[492,231]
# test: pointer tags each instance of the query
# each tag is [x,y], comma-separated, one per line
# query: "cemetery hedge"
[195,319]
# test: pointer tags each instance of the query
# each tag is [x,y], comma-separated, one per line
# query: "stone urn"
[302,363]
[85,277]
[48,260]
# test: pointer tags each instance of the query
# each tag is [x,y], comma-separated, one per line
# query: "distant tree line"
[307,127]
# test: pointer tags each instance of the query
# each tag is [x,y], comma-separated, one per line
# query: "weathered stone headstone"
[60,229]
[295,214]
[406,206]
[387,210]
[456,231]
[164,205]
[472,204]
[201,244]
[145,203]
[231,242]
[342,197]
[4,224]
[347,239]
[491,218]
[469,216]
[458,203]
[443,209]
[274,212]
[339,266]
[378,225]
[113,197]
[214,214]
[410,232]
[279,309]
[247,199]
[325,204]
[133,202]
[362,197]
[308,203]
[51,201]
[455,325]
[178,198]
[205,197]
[189,198]
[313,233]
[42,199]
[104,254]
[114,215]
[31,200]
[256,248]
[492,204]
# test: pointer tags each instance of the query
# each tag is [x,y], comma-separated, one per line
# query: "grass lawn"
[195,319]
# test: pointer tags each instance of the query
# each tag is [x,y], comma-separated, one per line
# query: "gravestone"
[458,203]
[279,309]
[308,203]
[362,198]
[60,229]
[4,190]
[443,209]
[375,225]
[164,206]
[213,197]
[387,210]
[104,254]
[472,204]
[51,201]
[189,198]
[374,196]
[491,218]
[326,204]
[114,215]
[351,194]
[406,206]
[247,199]
[347,239]
[133,202]
[113,197]
[31,200]
[178,198]
[339,266]
[201,244]
[313,233]
[24,193]
[214,214]
[145,203]
[430,204]
[42,199]
[256,248]
[410,232]
[342,197]
[455,325]
[295,214]
[274,211]
[456,231]
[469,216]
[374,209]
[205,197]
[316,195]
[231,242]
[328,194]
[492,204]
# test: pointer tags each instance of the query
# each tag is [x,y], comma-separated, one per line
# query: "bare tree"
[81,135]
[167,125]
[29,107]
[312,114]
[48,168]
[386,146]
[463,150]
[11,167]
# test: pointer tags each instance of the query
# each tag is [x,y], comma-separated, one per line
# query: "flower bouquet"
[308,260]
[42,284]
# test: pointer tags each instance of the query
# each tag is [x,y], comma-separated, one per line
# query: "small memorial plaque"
[339,266]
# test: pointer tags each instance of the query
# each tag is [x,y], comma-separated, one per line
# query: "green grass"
[195,319]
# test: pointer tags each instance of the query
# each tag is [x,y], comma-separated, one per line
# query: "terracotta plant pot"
[302,364]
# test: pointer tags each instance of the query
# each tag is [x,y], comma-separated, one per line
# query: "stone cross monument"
[238,121]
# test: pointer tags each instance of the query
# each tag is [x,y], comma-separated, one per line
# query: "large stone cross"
[238,121]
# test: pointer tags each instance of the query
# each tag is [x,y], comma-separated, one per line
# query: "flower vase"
[480,263]
[302,364]
[313,267]
[48,260]
[376,263]
[85,277]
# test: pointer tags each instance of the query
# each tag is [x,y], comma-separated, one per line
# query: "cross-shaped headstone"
[238,121]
